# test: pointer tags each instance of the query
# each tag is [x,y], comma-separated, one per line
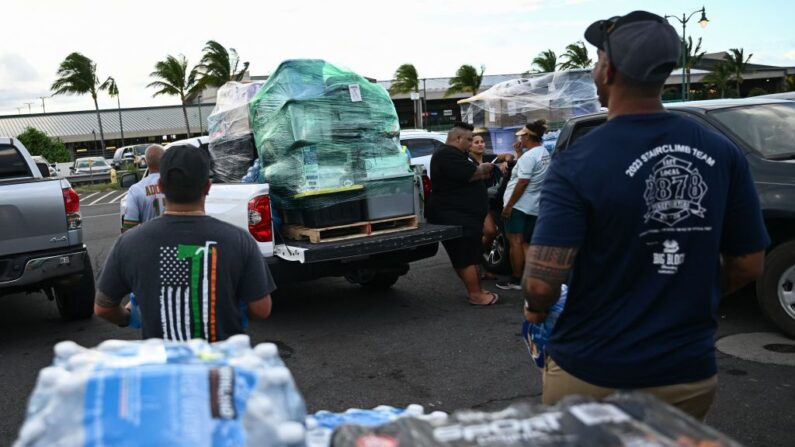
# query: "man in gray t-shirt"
[144,199]
[193,275]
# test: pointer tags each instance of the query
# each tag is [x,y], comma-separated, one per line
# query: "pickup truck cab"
[41,235]
[765,131]
[375,261]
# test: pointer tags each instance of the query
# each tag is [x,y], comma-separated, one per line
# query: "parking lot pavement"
[102,198]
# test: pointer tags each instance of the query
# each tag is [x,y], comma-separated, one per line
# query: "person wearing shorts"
[520,209]
[460,198]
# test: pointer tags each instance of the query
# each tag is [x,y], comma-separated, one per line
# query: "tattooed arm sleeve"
[546,269]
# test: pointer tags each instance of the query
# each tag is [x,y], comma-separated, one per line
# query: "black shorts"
[464,251]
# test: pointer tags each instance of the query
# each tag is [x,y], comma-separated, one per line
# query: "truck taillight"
[426,187]
[71,203]
[260,224]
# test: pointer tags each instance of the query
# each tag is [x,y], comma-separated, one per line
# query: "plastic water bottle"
[135,313]
[269,354]
[537,335]
[277,384]
[65,350]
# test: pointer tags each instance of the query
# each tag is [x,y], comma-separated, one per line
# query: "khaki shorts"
[693,398]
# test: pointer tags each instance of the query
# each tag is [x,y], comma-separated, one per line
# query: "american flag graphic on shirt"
[187,291]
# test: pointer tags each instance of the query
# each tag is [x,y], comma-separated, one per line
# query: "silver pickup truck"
[41,236]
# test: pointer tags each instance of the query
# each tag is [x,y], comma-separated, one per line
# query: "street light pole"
[201,124]
[685,18]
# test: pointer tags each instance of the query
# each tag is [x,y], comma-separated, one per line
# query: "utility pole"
[43,110]
[19,110]
[28,104]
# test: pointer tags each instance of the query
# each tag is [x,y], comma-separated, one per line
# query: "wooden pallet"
[351,231]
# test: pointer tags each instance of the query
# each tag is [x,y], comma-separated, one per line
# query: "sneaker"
[511,284]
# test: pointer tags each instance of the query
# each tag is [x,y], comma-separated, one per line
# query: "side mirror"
[44,169]
[71,169]
[128,179]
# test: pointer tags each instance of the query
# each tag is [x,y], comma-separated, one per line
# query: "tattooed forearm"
[563,256]
[549,264]
[550,275]
[546,268]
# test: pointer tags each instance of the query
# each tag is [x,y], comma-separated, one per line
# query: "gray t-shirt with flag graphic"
[191,276]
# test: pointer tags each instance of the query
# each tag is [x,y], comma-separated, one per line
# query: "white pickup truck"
[374,261]
[41,235]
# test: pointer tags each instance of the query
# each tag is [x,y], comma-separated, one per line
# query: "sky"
[126,38]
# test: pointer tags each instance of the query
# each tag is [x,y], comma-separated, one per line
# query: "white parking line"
[86,197]
[100,215]
[120,196]
[100,199]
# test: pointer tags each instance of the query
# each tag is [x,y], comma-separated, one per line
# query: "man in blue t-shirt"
[648,218]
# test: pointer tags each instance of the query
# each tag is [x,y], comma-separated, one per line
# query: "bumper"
[384,252]
[42,267]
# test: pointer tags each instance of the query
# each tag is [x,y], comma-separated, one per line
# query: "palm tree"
[737,64]
[693,56]
[406,80]
[467,79]
[545,62]
[113,91]
[218,66]
[172,78]
[719,77]
[576,56]
[77,75]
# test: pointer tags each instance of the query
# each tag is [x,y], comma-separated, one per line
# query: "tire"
[775,291]
[74,296]
[373,281]
[496,259]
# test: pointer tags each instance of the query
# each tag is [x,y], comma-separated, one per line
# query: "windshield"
[92,163]
[767,128]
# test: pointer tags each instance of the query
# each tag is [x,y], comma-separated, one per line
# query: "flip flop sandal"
[493,300]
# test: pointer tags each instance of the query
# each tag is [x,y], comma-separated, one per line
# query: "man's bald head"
[153,155]
[460,136]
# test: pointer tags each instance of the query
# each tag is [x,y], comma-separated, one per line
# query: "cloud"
[790,55]
[15,68]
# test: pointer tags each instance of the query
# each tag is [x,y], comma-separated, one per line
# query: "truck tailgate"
[32,216]
[358,248]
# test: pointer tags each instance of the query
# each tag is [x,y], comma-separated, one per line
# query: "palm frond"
[466,79]
[219,65]
[545,62]
[76,75]
[171,77]
[110,86]
[576,56]
[406,80]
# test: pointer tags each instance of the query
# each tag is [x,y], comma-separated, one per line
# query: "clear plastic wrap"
[508,105]
[231,142]
[622,419]
[157,392]
[325,135]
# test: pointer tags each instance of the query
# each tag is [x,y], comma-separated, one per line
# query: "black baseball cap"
[184,170]
[641,45]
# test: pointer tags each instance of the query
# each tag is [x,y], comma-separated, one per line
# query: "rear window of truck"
[12,163]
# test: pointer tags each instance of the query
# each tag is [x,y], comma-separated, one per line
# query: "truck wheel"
[75,295]
[373,281]
[496,258]
[775,291]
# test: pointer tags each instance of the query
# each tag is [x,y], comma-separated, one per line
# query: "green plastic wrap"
[326,133]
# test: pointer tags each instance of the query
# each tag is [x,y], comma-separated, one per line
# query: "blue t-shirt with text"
[651,201]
